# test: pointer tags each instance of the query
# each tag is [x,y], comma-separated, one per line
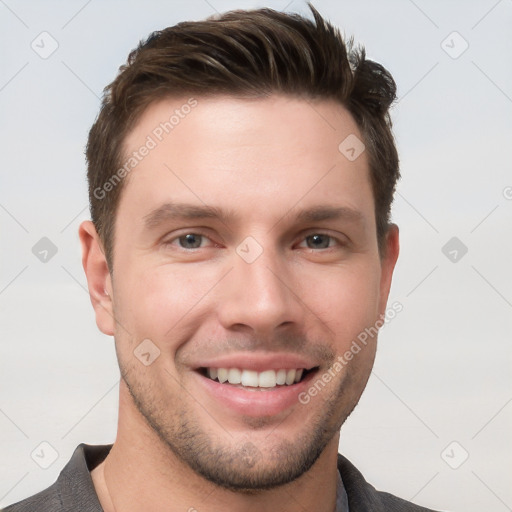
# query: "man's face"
[285,279]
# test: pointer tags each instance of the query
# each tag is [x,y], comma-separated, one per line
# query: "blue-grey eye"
[190,241]
[318,241]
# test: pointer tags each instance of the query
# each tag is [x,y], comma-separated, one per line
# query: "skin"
[264,160]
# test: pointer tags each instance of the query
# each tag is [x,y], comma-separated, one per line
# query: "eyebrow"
[183,211]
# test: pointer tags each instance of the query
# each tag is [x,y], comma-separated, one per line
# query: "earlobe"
[98,277]
[388,262]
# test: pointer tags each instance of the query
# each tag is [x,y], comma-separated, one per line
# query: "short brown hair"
[249,54]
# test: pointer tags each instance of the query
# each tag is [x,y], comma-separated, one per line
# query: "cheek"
[151,301]
[164,302]
[347,301]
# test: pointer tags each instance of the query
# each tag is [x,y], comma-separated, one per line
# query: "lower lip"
[256,403]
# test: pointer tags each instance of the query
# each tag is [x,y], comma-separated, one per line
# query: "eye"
[197,240]
[320,241]
[188,241]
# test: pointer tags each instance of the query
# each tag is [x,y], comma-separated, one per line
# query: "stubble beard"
[243,467]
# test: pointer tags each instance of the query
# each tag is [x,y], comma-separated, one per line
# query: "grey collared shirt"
[341,496]
[74,490]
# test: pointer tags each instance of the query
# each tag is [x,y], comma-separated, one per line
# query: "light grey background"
[442,372]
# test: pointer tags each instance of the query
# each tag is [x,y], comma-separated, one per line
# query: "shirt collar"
[341,496]
[87,457]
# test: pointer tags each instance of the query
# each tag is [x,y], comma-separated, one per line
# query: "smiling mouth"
[253,380]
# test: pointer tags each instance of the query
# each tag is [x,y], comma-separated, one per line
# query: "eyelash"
[176,238]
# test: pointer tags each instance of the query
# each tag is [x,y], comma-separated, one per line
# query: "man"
[241,173]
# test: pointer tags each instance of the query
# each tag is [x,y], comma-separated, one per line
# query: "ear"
[98,277]
[388,260]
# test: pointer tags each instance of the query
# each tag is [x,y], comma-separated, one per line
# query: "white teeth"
[234,376]
[267,379]
[290,377]
[251,378]
[281,377]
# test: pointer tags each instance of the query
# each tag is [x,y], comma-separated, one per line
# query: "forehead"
[261,156]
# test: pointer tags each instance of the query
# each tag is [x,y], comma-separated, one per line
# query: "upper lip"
[259,362]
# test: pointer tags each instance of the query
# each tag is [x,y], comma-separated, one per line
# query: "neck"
[142,473]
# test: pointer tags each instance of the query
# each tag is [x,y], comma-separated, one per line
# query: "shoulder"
[47,500]
[73,489]
[362,496]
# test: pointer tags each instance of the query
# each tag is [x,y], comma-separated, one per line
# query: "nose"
[260,296]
